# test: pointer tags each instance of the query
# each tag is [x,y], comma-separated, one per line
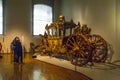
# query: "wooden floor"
[33,69]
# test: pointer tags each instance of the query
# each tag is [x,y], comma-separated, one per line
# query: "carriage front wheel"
[77,49]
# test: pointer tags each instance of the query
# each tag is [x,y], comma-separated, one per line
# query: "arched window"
[42,15]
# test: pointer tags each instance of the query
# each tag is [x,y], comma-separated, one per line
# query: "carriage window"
[1,16]
[61,32]
[54,31]
[67,32]
[42,15]
[50,31]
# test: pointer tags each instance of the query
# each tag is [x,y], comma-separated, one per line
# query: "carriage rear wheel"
[99,47]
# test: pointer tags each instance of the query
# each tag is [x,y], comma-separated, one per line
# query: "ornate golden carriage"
[74,41]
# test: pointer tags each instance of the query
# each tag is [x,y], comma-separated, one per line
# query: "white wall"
[18,22]
[118,28]
[100,15]
[57,9]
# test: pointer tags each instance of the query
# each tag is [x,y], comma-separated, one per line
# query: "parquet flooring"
[33,69]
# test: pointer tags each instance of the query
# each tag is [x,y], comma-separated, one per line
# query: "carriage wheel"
[77,49]
[99,47]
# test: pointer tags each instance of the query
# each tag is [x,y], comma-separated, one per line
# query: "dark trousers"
[18,58]
[15,58]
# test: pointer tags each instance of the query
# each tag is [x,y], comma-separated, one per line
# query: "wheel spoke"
[69,45]
[73,39]
[78,45]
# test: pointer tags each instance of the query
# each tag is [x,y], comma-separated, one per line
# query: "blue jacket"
[17,47]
